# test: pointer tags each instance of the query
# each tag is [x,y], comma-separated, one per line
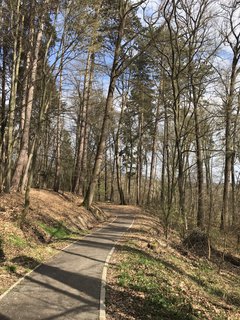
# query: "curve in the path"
[68,287]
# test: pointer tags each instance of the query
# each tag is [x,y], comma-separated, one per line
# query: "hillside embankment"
[150,277]
[54,221]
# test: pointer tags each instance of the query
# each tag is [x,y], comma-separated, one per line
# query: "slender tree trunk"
[209,186]
[118,174]
[101,145]
[180,160]
[13,94]
[228,146]
[139,161]
[78,172]
[3,119]
[106,177]
[23,154]
[83,176]
[28,177]
[99,188]
[57,176]
[109,102]
[81,159]
[130,173]
[178,121]
[26,85]
[154,149]
[117,157]
[200,210]
[234,211]
[112,179]
[146,182]
[165,158]
[3,97]
[232,218]
[58,167]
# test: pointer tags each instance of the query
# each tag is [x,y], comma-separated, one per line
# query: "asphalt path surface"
[67,287]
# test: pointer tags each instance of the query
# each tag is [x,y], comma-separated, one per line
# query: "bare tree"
[35,49]
[124,10]
[232,37]
[17,48]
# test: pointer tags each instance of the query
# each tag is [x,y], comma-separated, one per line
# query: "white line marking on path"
[50,258]
[102,307]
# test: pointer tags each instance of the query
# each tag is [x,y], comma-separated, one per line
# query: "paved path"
[68,287]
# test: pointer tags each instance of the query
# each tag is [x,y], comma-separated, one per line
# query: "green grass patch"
[169,287]
[59,231]
[142,274]
[17,241]
[11,268]
[124,277]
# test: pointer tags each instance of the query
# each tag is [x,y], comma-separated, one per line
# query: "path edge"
[102,306]
[50,258]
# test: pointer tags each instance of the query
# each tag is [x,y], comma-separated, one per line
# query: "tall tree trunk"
[81,145]
[81,157]
[200,209]
[180,159]
[228,144]
[43,108]
[17,48]
[130,172]
[175,77]
[117,156]
[3,118]
[232,219]
[23,154]
[109,103]
[112,178]
[83,176]
[26,85]
[32,160]
[139,161]
[57,175]
[106,177]
[154,149]
[101,145]
[165,159]
[118,174]
[209,187]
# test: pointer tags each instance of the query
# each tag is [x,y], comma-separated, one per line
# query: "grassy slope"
[54,221]
[159,281]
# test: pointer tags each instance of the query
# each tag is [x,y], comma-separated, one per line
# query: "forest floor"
[151,278]
[52,220]
[148,277]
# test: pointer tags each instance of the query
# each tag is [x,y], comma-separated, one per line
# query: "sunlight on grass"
[146,277]
[57,232]
[174,289]
[17,241]
[11,268]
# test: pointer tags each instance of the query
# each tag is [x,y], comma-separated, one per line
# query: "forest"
[132,102]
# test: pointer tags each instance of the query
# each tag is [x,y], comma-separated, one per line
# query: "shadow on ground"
[62,288]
